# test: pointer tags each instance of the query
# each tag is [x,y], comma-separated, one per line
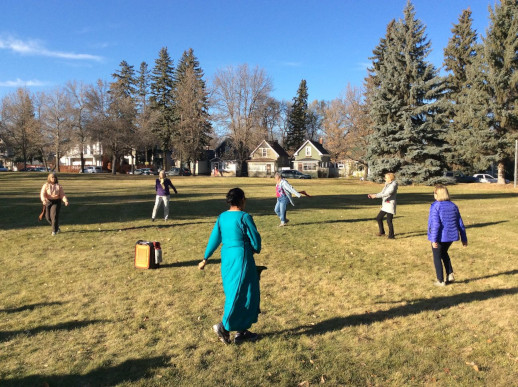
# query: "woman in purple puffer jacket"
[444,226]
[163,195]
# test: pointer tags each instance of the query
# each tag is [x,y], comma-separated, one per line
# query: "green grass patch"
[340,306]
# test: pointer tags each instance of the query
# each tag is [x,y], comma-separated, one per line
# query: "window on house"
[309,166]
[264,152]
[308,151]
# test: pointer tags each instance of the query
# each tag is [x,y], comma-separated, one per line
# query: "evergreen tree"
[162,100]
[407,110]
[192,108]
[459,56]
[499,81]
[122,113]
[298,119]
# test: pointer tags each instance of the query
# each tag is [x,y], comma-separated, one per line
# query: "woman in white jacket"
[284,191]
[388,205]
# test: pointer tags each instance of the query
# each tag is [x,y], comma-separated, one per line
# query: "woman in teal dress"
[236,231]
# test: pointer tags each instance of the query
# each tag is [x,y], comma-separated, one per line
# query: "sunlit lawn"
[340,306]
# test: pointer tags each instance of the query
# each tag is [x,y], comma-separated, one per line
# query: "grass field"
[340,306]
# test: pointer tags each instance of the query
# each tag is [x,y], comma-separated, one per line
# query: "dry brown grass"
[340,305]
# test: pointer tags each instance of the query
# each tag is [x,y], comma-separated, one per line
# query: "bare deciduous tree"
[239,96]
[346,126]
[57,122]
[18,127]
[77,94]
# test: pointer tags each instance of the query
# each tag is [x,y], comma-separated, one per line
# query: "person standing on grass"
[283,191]
[235,230]
[444,226]
[163,195]
[51,195]
[388,205]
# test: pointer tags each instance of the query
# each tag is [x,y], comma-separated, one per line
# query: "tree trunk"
[57,162]
[82,160]
[114,164]
[501,173]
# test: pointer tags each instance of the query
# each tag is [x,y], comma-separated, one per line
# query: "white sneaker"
[451,277]
[437,283]
[282,224]
[53,233]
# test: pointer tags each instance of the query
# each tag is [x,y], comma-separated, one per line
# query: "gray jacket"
[388,195]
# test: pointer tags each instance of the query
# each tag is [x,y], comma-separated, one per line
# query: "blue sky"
[44,44]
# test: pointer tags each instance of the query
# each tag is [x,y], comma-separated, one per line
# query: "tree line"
[407,118]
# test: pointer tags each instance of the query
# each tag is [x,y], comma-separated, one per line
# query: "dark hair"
[235,196]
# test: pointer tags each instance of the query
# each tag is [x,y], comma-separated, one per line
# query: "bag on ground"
[148,255]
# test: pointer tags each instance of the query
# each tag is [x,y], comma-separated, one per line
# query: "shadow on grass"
[84,210]
[338,221]
[150,226]
[30,307]
[413,234]
[130,371]
[415,307]
[190,263]
[510,272]
[67,326]
[421,197]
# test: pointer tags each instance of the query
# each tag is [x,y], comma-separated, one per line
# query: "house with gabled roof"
[267,158]
[225,161]
[313,159]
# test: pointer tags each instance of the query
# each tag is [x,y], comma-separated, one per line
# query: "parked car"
[294,174]
[175,171]
[145,171]
[487,178]
[93,169]
[3,169]
[460,177]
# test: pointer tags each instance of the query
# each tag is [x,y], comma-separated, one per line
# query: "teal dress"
[237,233]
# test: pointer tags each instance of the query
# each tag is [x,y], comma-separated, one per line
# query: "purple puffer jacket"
[445,223]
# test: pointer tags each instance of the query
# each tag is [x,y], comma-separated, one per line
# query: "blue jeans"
[281,207]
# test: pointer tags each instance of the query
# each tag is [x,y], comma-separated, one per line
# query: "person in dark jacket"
[444,226]
[163,195]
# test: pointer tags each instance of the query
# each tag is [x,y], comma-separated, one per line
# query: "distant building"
[266,159]
[313,159]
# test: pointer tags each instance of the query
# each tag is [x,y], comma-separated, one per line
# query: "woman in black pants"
[51,196]
[388,205]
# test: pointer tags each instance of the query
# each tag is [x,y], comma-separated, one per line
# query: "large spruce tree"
[459,57]
[122,112]
[192,108]
[298,119]
[407,110]
[498,83]
[162,100]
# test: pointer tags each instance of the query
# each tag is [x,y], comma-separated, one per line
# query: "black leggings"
[380,217]
[52,213]
[440,257]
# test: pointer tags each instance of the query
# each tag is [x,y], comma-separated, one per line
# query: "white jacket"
[288,190]
[388,195]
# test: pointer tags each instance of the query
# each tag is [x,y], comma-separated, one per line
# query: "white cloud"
[291,64]
[21,83]
[33,47]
